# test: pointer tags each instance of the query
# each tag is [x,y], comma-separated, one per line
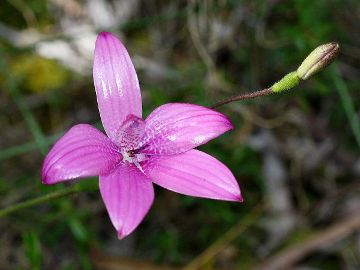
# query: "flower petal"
[116,83]
[82,151]
[193,173]
[178,127]
[127,195]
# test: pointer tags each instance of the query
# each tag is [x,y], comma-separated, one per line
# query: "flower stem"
[263,92]
[45,198]
[287,82]
[317,60]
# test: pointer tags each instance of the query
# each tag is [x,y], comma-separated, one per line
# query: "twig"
[287,258]
[45,198]
[225,239]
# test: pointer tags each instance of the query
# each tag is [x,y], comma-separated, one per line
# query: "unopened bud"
[289,81]
[317,60]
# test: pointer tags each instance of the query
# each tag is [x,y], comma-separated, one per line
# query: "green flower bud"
[289,81]
[317,60]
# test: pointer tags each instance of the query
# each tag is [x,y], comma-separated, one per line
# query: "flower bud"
[317,60]
[289,81]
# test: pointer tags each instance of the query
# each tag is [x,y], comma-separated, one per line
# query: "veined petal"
[178,127]
[116,83]
[193,173]
[83,151]
[127,195]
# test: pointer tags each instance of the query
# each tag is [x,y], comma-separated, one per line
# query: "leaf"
[32,249]
[78,229]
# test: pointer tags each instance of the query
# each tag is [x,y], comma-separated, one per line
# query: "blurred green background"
[295,155]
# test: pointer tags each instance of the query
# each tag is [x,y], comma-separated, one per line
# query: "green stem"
[10,83]
[45,198]
[347,103]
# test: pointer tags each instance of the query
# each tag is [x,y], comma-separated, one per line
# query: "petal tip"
[105,35]
[240,198]
[235,198]
[104,38]
[228,123]
[44,176]
[46,179]
[121,234]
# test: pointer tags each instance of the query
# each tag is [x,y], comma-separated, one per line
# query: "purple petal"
[83,151]
[178,127]
[127,195]
[116,83]
[194,173]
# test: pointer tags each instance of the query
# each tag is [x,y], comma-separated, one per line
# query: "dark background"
[295,155]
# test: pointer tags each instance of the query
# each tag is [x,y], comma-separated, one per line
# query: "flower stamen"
[134,157]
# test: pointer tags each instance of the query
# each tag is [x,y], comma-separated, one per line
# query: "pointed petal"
[127,195]
[178,127]
[116,83]
[193,173]
[83,151]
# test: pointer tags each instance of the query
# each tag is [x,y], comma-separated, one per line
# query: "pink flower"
[137,153]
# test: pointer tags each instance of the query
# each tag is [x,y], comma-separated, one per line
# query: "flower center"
[131,156]
[131,134]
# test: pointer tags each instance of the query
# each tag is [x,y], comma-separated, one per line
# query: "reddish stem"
[263,92]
